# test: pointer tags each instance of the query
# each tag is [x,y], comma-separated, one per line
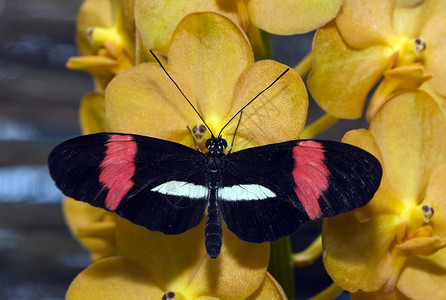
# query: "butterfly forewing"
[307,179]
[120,172]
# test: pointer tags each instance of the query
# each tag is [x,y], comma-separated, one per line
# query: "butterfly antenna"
[235,133]
[264,90]
[162,67]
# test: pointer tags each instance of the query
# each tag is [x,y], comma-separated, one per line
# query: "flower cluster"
[391,52]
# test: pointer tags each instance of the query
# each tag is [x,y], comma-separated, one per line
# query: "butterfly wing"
[268,192]
[123,173]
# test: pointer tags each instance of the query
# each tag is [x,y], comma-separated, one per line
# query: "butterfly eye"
[224,144]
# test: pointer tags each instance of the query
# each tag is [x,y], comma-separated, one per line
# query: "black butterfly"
[263,193]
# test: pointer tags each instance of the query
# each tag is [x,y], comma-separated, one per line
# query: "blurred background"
[38,109]
[39,101]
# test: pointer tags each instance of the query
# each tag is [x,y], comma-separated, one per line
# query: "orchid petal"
[270,289]
[356,254]
[422,277]
[364,23]
[210,52]
[113,278]
[434,34]
[403,132]
[277,115]
[92,114]
[292,16]
[342,77]
[157,20]
[92,227]
[135,97]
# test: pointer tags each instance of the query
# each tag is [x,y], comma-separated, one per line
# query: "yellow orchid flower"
[105,37]
[94,228]
[212,62]
[369,37]
[157,20]
[153,264]
[395,245]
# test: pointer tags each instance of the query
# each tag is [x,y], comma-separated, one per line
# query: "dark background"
[39,101]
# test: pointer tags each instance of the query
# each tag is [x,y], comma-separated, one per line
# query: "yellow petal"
[156,20]
[409,20]
[210,52]
[180,262]
[92,227]
[277,115]
[113,278]
[270,289]
[342,77]
[94,64]
[92,13]
[144,101]
[364,23]
[291,16]
[92,114]
[441,100]
[239,262]
[422,277]
[356,254]
[403,129]
[434,34]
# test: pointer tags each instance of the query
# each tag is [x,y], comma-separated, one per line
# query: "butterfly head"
[216,145]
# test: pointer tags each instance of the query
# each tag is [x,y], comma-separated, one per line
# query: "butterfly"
[262,193]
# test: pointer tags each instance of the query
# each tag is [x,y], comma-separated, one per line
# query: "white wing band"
[240,192]
[243,192]
[182,189]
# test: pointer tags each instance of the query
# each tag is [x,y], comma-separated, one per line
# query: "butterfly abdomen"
[213,232]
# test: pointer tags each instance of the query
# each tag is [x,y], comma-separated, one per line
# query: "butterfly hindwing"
[307,179]
[121,173]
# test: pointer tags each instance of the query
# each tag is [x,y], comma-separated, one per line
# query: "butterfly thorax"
[215,159]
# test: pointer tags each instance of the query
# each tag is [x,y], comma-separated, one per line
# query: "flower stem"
[280,265]
[304,66]
[309,255]
[320,125]
[260,43]
[331,292]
